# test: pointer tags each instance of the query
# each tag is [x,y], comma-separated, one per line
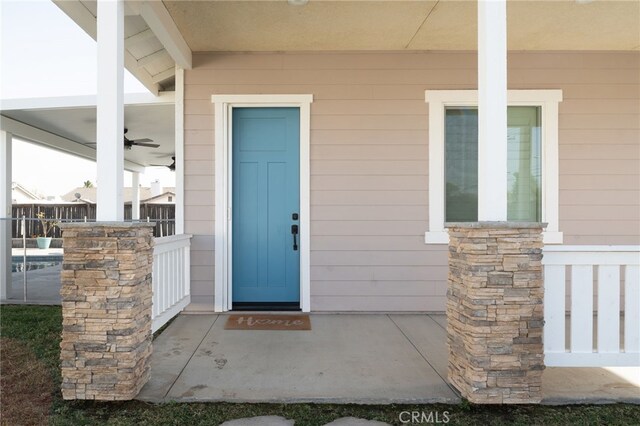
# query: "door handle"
[294,232]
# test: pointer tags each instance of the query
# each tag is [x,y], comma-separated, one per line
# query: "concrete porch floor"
[345,358]
[365,359]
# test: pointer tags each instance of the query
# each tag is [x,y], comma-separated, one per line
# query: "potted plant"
[44,241]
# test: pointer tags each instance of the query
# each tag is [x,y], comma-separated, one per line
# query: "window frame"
[547,100]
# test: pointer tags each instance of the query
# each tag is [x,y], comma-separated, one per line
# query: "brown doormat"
[267,322]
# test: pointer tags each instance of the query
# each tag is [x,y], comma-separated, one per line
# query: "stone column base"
[106,310]
[495,311]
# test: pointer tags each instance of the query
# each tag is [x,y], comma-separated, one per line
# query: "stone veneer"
[106,309]
[495,311]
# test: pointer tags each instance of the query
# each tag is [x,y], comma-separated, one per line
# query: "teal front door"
[266,205]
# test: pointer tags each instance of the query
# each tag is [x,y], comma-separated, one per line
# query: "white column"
[492,110]
[110,111]
[135,199]
[5,212]
[179,149]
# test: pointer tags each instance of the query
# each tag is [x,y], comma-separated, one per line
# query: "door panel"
[266,192]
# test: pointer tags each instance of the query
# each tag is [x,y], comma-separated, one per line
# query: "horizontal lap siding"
[369,160]
[599,153]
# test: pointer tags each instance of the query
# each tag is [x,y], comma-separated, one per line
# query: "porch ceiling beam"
[110,111]
[83,101]
[56,142]
[159,20]
[138,38]
[492,110]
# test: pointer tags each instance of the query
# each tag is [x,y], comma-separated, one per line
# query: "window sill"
[442,237]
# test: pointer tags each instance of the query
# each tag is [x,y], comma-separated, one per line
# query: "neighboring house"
[167,197]
[53,199]
[20,194]
[164,195]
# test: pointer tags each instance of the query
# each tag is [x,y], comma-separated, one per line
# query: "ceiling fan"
[171,166]
[129,143]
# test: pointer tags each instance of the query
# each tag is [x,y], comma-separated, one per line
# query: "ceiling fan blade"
[147,145]
[141,140]
[171,166]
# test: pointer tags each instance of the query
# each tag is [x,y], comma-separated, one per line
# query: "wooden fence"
[163,214]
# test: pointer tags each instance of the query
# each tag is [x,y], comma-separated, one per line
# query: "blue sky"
[43,53]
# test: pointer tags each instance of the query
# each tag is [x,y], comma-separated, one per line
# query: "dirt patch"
[26,387]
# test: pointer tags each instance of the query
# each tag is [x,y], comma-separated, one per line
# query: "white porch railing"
[579,269]
[171,278]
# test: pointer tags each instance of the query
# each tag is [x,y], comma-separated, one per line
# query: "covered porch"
[344,358]
[383,93]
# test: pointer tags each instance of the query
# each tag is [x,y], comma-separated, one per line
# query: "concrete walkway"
[562,385]
[364,359]
[345,358]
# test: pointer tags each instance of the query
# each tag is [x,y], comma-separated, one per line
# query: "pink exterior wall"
[369,168]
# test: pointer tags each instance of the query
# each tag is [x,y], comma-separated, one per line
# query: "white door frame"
[224,105]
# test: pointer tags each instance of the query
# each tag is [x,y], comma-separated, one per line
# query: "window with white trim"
[532,168]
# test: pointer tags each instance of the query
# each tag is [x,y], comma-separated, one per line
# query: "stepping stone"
[259,421]
[353,421]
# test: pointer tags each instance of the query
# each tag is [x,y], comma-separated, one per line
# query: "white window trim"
[224,105]
[438,100]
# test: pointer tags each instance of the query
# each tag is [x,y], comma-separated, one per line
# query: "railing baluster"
[154,286]
[166,280]
[163,290]
[632,309]
[174,279]
[554,308]
[608,309]
[582,308]
[186,287]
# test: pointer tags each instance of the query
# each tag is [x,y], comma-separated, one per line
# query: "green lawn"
[36,331]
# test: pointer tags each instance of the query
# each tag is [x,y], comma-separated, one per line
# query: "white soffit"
[402,25]
[69,124]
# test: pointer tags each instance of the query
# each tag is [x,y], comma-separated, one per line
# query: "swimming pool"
[32,265]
